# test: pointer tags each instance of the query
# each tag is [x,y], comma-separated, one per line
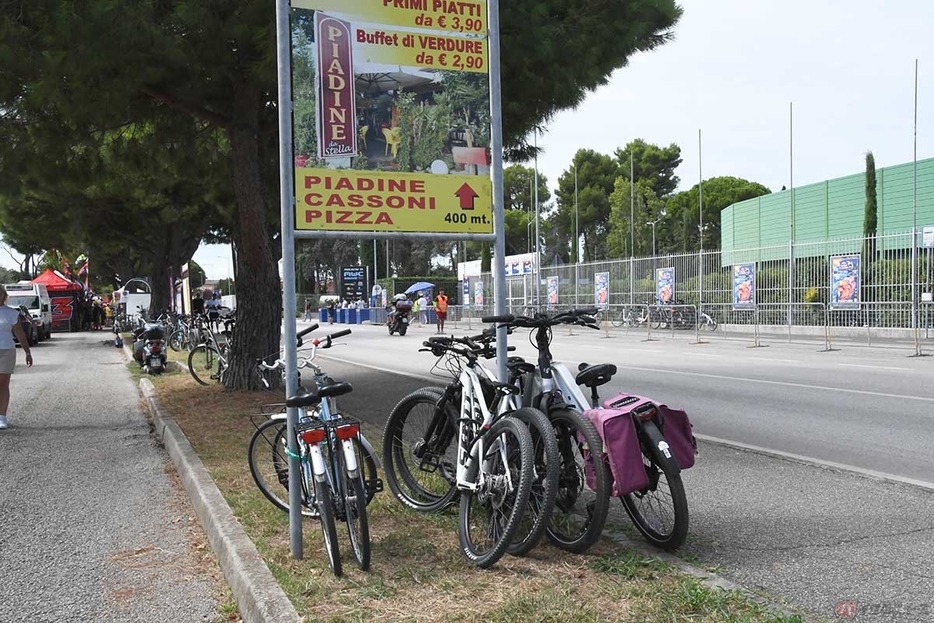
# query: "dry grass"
[418,573]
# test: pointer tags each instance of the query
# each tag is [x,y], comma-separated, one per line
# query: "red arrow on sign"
[467,196]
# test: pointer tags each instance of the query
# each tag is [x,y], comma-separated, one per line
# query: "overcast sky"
[733,69]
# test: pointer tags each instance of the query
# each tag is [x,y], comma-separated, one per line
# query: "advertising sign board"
[844,282]
[391,154]
[744,286]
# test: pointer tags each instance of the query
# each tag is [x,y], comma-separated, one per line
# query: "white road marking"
[773,360]
[856,365]
[815,461]
[783,383]
[665,371]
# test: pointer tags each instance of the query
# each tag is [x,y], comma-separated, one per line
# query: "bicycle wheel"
[711,323]
[491,515]
[354,507]
[420,452]
[269,466]
[204,364]
[324,501]
[178,340]
[619,319]
[544,481]
[660,510]
[581,507]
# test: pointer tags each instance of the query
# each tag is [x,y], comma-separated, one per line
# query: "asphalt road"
[816,537]
[91,526]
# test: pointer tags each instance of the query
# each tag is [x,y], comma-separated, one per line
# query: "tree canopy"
[72,78]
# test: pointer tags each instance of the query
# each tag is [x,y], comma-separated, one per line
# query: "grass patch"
[418,572]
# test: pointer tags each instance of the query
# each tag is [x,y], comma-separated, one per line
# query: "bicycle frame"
[475,416]
[551,375]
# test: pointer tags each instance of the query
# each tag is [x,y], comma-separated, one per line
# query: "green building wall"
[758,229]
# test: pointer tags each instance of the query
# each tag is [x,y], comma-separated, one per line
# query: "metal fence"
[885,284]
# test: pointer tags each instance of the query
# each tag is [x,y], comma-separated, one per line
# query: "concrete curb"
[258,594]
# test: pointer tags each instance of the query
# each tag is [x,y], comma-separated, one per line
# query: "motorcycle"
[149,348]
[398,320]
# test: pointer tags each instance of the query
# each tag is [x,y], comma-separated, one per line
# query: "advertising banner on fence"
[478,294]
[552,292]
[466,293]
[744,286]
[665,285]
[601,289]
[380,145]
[844,282]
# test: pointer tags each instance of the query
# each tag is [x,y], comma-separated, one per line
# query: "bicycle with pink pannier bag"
[646,445]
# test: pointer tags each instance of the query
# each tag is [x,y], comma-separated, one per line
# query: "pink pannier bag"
[621,449]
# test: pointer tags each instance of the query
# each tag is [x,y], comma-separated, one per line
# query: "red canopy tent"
[67,300]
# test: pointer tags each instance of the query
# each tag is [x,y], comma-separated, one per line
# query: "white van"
[35,297]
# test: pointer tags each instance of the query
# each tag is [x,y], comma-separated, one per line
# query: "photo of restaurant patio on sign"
[392,115]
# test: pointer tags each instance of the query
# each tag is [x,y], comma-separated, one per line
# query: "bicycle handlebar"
[506,318]
[583,316]
[305,332]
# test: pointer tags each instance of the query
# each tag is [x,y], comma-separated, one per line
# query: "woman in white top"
[9,325]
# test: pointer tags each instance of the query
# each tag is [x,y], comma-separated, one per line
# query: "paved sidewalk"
[95,526]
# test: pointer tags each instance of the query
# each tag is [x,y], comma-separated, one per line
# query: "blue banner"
[744,286]
[844,282]
[665,285]
[552,291]
[466,296]
[601,289]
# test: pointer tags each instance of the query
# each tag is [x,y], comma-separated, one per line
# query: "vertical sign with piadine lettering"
[367,75]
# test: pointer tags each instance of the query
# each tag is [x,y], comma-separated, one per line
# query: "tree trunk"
[259,295]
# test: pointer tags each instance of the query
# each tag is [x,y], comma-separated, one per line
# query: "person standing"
[9,326]
[441,309]
[423,308]
[332,311]
[307,316]
[416,308]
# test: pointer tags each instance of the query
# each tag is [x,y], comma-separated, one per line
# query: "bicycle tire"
[544,481]
[178,340]
[425,483]
[483,509]
[667,533]
[324,501]
[711,323]
[580,512]
[354,508]
[204,364]
[269,466]
[618,320]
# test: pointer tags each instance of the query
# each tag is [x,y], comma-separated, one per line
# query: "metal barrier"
[810,311]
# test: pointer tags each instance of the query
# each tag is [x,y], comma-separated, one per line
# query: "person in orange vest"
[441,309]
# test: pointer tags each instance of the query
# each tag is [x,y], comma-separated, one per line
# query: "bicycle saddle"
[335,389]
[521,366]
[595,375]
[303,398]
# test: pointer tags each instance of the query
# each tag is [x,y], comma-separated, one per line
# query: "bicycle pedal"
[375,487]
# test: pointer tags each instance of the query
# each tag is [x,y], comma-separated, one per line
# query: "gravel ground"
[94,524]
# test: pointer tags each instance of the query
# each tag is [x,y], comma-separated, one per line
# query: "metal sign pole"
[496,150]
[286,206]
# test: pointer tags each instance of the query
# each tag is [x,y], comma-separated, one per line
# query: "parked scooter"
[398,319]
[149,348]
